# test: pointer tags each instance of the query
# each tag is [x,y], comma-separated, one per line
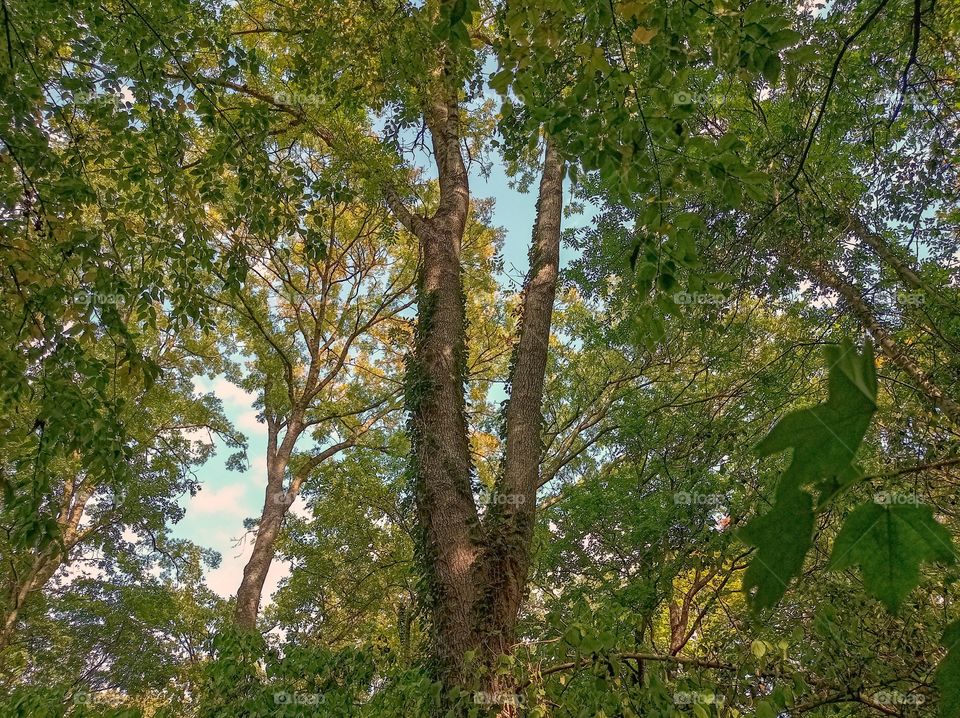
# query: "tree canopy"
[696,455]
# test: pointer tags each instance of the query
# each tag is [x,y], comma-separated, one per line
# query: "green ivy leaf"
[889,542]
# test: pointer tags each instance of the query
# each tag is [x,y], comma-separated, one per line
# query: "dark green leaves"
[824,440]
[948,673]
[782,537]
[889,542]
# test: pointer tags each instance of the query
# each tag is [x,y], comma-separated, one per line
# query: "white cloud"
[228,392]
[248,422]
[225,501]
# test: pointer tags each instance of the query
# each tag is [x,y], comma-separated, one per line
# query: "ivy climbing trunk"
[475,572]
[447,513]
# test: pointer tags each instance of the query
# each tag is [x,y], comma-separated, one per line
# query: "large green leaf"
[782,537]
[889,542]
[824,439]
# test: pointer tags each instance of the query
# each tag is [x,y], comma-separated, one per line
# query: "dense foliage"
[702,460]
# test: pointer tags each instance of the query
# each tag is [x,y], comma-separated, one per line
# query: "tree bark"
[475,573]
[276,503]
[506,560]
[447,513]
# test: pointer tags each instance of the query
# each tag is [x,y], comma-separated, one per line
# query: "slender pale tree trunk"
[276,503]
[827,278]
[46,564]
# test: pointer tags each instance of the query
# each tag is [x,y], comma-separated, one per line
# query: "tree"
[320,315]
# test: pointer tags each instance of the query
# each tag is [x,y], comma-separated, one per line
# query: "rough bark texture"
[276,503]
[446,510]
[506,561]
[475,573]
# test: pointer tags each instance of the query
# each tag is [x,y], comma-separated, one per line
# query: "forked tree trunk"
[475,573]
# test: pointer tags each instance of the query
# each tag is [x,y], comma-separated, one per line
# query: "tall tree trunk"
[506,561]
[276,503]
[474,574]
[447,513]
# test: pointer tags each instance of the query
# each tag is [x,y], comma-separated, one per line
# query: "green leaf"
[784,38]
[825,438]
[771,69]
[501,81]
[948,673]
[889,542]
[782,537]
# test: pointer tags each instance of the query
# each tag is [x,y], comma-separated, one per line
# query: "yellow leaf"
[643,35]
